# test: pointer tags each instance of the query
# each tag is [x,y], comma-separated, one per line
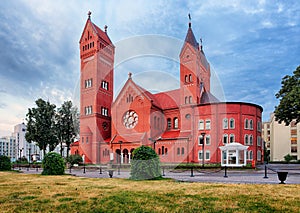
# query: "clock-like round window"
[130,119]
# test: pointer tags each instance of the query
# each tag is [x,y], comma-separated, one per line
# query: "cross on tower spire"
[190,24]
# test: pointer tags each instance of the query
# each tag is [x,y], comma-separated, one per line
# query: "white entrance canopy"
[233,154]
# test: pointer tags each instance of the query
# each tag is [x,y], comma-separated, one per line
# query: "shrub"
[74,159]
[53,164]
[288,158]
[5,164]
[145,164]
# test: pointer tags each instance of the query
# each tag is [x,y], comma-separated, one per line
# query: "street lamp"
[120,142]
[202,142]
[154,142]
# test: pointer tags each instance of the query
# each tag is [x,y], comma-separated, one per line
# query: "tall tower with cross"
[96,89]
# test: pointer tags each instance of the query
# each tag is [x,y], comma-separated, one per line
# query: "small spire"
[105,28]
[129,75]
[89,15]
[190,19]
[201,47]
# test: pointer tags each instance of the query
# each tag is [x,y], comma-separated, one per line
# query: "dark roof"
[207,97]
[102,34]
[190,38]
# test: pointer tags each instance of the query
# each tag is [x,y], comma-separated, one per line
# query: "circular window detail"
[188,116]
[130,119]
[105,125]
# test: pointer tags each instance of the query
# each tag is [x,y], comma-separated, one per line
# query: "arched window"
[169,123]
[186,100]
[178,151]
[162,150]
[207,155]
[166,151]
[225,123]
[231,123]
[258,155]
[231,139]
[250,140]
[207,140]
[251,124]
[190,78]
[201,125]
[190,100]
[246,124]
[182,150]
[186,78]
[249,155]
[159,151]
[225,138]
[207,124]
[155,125]
[246,140]
[175,123]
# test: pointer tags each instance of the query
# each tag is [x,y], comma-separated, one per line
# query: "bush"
[5,164]
[145,164]
[288,158]
[53,164]
[74,159]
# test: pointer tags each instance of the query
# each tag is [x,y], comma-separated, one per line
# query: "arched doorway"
[126,156]
[118,156]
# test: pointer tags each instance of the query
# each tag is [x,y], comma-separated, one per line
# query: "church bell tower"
[96,89]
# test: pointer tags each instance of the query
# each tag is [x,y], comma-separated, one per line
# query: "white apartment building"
[8,147]
[281,139]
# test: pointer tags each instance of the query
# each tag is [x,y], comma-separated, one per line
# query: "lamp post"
[202,141]
[154,142]
[120,142]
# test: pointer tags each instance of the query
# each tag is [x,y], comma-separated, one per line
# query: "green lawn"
[36,193]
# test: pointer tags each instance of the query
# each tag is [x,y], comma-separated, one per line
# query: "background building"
[8,147]
[188,124]
[281,139]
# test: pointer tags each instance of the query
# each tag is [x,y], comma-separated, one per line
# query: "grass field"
[35,193]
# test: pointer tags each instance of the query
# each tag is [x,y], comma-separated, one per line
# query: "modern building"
[187,124]
[8,147]
[23,148]
[282,140]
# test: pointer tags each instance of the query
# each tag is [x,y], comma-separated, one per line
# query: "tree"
[5,164]
[41,125]
[288,158]
[66,130]
[145,164]
[289,97]
[53,164]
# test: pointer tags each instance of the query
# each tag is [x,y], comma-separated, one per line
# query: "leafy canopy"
[53,164]
[66,124]
[289,97]
[41,125]
[145,164]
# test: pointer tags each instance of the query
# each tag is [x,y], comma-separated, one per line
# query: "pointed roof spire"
[105,28]
[89,15]
[129,75]
[190,19]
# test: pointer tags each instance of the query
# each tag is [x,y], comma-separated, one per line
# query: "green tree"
[74,159]
[288,158]
[41,125]
[5,164]
[53,164]
[289,97]
[145,164]
[66,125]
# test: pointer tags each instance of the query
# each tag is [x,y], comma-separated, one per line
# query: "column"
[122,159]
[129,155]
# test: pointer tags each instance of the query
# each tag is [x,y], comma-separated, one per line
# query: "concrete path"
[213,176]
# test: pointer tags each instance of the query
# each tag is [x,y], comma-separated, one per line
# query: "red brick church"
[188,124]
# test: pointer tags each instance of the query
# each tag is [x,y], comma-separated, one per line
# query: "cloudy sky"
[250,45]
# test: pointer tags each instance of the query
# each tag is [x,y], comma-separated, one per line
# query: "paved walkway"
[233,175]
